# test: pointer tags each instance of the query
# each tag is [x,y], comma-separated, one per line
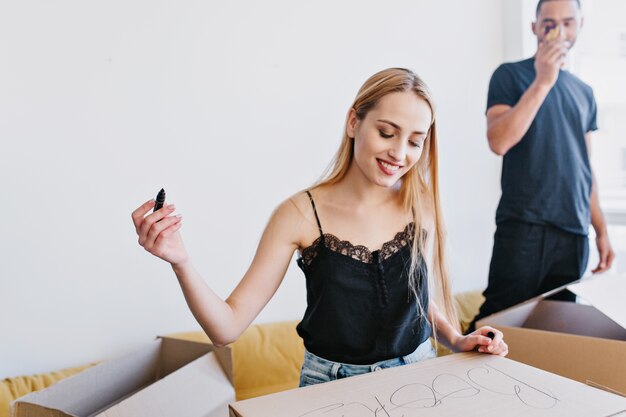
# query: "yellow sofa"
[266,358]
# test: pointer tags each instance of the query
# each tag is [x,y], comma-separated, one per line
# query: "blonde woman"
[368,270]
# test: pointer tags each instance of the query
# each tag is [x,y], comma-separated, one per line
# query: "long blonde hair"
[422,179]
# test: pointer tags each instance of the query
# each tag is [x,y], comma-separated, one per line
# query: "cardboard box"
[582,341]
[167,377]
[466,384]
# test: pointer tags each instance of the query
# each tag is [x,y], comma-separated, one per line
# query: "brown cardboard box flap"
[585,342]
[467,384]
[606,293]
[166,377]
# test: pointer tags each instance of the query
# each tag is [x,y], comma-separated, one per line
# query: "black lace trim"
[360,252]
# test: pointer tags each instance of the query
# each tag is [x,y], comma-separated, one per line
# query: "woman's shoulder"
[296,206]
[295,214]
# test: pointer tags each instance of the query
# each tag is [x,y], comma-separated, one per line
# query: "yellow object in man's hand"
[552,33]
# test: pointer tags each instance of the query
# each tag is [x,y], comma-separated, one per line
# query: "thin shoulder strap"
[319,225]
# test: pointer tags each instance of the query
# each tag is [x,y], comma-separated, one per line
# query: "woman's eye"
[416,144]
[385,135]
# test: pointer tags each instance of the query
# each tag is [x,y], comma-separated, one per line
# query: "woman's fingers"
[482,340]
[150,220]
[140,212]
[504,349]
[167,233]
[492,340]
[498,339]
[157,229]
[171,229]
[501,349]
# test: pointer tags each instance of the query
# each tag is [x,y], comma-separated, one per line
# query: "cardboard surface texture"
[579,341]
[465,384]
[167,377]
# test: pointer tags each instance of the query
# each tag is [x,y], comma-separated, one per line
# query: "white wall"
[231,107]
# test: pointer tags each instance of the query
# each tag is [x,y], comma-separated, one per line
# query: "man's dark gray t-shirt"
[546,177]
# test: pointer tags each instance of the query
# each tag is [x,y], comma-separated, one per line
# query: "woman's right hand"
[158,232]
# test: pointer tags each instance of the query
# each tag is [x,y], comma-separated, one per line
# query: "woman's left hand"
[480,339]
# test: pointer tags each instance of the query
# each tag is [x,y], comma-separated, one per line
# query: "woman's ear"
[351,123]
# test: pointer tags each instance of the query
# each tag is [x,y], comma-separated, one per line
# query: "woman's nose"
[398,151]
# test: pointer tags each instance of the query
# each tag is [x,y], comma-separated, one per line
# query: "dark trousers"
[529,260]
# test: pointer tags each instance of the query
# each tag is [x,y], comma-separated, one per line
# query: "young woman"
[371,244]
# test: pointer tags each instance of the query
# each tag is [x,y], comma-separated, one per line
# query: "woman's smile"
[387,167]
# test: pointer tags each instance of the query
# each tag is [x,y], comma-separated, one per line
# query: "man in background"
[540,118]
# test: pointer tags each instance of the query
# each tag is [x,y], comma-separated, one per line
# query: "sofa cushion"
[13,388]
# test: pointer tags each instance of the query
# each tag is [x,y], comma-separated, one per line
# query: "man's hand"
[549,59]
[605,253]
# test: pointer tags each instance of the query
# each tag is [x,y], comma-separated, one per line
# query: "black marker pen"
[491,335]
[160,199]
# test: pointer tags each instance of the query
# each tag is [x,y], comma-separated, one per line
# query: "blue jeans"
[316,370]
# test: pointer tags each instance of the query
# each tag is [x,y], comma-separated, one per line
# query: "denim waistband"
[423,351]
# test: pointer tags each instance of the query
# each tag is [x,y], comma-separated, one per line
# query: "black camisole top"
[359,306]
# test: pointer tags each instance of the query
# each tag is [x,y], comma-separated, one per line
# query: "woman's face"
[389,140]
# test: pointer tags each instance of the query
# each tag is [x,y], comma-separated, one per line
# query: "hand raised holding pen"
[158,232]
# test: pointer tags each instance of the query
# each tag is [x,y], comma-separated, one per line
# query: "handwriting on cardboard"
[468,384]
[444,387]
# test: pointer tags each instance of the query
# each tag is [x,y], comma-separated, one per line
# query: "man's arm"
[507,125]
[605,252]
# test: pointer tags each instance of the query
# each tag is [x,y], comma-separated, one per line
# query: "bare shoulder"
[293,209]
[294,217]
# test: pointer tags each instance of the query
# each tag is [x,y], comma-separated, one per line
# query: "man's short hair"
[545,1]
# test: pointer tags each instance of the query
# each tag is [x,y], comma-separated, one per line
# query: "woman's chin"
[387,182]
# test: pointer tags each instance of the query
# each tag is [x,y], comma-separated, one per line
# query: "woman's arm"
[446,332]
[223,321]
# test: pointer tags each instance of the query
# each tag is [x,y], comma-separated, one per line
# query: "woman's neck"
[359,190]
